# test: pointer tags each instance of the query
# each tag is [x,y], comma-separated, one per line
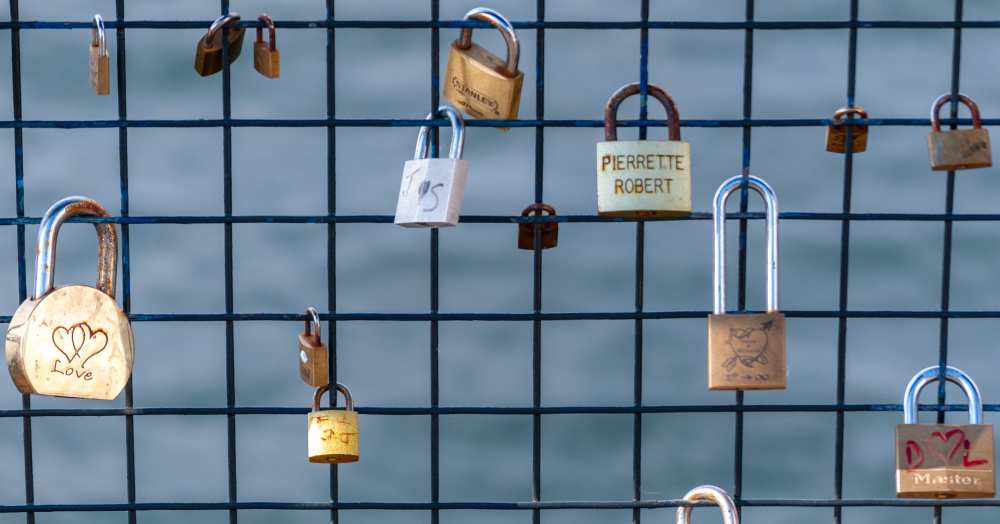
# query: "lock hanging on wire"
[836,135]
[313,354]
[430,194]
[710,494]
[208,58]
[266,59]
[333,433]
[99,72]
[956,149]
[526,231]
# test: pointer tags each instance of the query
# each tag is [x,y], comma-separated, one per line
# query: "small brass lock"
[958,148]
[71,341]
[208,59]
[643,178]
[710,494]
[430,194]
[478,81]
[836,135]
[266,59]
[526,231]
[746,350]
[99,75]
[312,355]
[333,434]
[943,461]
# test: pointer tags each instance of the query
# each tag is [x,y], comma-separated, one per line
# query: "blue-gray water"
[384,268]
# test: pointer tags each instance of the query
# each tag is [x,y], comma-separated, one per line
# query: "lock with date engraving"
[958,148]
[312,354]
[266,59]
[526,231]
[710,494]
[71,341]
[99,75]
[836,135]
[430,194]
[208,58]
[941,461]
[333,433]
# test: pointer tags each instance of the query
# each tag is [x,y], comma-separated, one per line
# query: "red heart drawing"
[945,437]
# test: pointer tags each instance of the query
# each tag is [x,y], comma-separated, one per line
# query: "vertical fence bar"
[434,140]
[331,233]
[640,248]
[536,332]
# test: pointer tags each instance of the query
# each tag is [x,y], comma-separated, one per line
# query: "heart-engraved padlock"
[333,433]
[430,194]
[99,74]
[711,494]
[208,57]
[71,341]
[312,354]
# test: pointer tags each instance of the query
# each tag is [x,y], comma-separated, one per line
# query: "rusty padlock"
[208,58]
[958,148]
[312,354]
[99,72]
[71,341]
[333,433]
[526,231]
[711,494]
[430,194]
[746,350]
[939,461]
[836,135]
[266,59]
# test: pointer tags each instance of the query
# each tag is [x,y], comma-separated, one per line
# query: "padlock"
[958,148]
[71,341]
[478,81]
[746,350]
[943,461]
[266,59]
[836,135]
[208,59]
[643,178]
[710,494]
[99,60]
[430,194]
[312,355]
[526,231]
[333,433]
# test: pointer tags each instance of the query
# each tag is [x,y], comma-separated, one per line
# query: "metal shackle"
[936,109]
[98,39]
[951,375]
[538,207]
[231,16]
[315,319]
[48,232]
[719,225]
[270,32]
[341,388]
[457,134]
[713,494]
[485,14]
[611,110]
[838,116]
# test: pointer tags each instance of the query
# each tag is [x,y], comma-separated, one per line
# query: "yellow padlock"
[333,434]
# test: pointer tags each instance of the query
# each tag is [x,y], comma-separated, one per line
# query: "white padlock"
[430,194]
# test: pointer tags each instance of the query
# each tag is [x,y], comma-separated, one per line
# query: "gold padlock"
[836,135]
[711,494]
[746,351]
[266,59]
[958,148]
[333,434]
[99,60]
[478,81]
[208,58]
[71,341]
[312,355]
[943,461]
[526,231]
[643,178]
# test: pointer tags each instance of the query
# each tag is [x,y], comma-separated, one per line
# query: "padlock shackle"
[951,374]
[98,38]
[485,14]
[977,122]
[318,395]
[270,32]
[457,134]
[846,110]
[719,225]
[538,207]
[315,319]
[712,494]
[231,16]
[48,232]
[611,110]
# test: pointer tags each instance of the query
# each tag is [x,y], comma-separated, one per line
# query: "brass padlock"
[266,59]
[958,148]
[71,341]
[746,350]
[312,355]
[99,60]
[710,494]
[526,231]
[643,178]
[208,59]
[478,81]
[430,194]
[333,433]
[943,461]
[836,135]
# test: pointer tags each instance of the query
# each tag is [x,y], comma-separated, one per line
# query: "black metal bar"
[434,143]
[640,248]
[536,331]
[331,234]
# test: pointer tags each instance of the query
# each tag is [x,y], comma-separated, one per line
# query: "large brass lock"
[526,231]
[710,494]
[266,59]
[333,434]
[71,341]
[478,81]
[99,73]
[958,148]
[430,194]
[746,350]
[312,355]
[836,135]
[208,58]
[940,461]
[643,178]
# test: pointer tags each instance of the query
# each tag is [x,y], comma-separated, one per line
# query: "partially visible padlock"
[711,494]
[958,148]
[71,341]
[836,135]
[478,81]
[643,178]
[333,433]
[312,355]
[265,54]
[526,231]
[430,194]
[943,461]
[208,59]
[746,350]
[99,60]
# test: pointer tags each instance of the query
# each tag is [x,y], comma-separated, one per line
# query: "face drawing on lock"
[748,346]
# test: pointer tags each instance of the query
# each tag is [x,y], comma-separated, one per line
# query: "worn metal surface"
[549,230]
[333,434]
[208,57]
[836,135]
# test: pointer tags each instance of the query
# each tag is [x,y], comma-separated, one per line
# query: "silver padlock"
[711,494]
[430,194]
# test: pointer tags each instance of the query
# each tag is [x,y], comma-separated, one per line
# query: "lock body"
[836,139]
[208,60]
[430,194]
[99,73]
[643,178]
[475,81]
[333,436]
[266,61]
[746,351]
[526,235]
[312,360]
[959,149]
[939,461]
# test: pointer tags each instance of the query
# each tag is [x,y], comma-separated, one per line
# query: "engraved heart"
[945,437]
[79,341]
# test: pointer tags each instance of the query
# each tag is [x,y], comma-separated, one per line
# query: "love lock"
[712,494]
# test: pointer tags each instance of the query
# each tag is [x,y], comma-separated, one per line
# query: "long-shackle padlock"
[944,460]
[333,433]
[643,178]
[712,494]
[266,59]
[479,82]
[430,194]
[312,354]
[836,135]
[71,341]
[99,73]
[208,58]
[958,148]
[746,350]
[526,231]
